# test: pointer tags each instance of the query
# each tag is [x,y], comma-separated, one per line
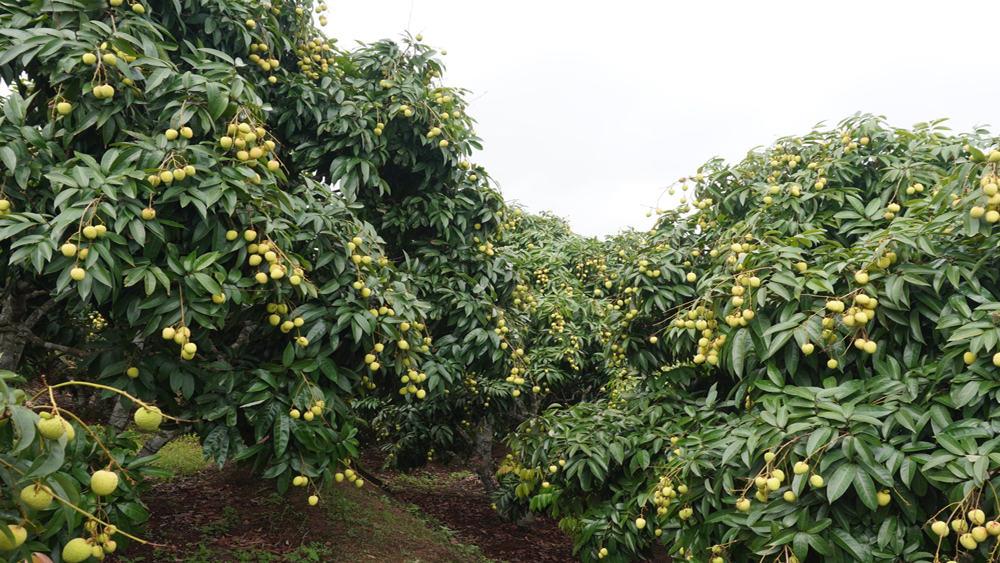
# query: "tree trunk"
[484,449]
[153,445]
[119,416]
[12,314]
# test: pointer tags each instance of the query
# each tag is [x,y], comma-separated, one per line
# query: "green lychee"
[148,418]
[104,482]
[36,497]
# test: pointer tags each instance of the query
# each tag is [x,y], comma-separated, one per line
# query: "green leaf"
[840,481]
[866,489]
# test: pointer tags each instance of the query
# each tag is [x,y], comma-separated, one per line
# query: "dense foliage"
[213,209]
[806,367]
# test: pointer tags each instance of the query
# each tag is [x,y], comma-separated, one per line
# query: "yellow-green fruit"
[816,481]
[77,274]
[967,541]
[52,428]
[871,346]
[808,348]
[170,134]
[800,468]
[979,534]
[832,364]
[743,505]
[940,528]
[139,9]
[249,236]
[77,551]
[883,498]
[640,523]
[19,533]
[148,419]
[313,500]
[148,214]
[104,482]
[68,250]
[969,357]
[977,212]
[861,278]
[89,58]
[35,497]
[64,108]
[231,235]
[977,517]
[132,372]
[789,496]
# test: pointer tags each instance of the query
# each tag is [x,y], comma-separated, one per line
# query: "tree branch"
[57,347]
[244,336]
[37,314]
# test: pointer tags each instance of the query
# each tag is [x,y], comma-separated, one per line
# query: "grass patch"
[423,481]
[182,456]
[374,523]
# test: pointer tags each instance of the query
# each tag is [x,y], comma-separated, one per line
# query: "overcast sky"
[588,109]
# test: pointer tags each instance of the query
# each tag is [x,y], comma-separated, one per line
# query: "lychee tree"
[810,376]
[260,221]
[549,334]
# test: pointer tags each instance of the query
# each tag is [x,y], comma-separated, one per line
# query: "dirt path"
[462,506]
[231,516]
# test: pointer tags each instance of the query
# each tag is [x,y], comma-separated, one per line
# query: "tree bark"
[484,449]
[119,416]
[154,444]
[12,314]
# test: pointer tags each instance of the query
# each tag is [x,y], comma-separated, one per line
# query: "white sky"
[589,108]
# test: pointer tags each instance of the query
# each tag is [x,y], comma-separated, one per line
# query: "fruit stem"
[80,510]
[97,440]
[107,388]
